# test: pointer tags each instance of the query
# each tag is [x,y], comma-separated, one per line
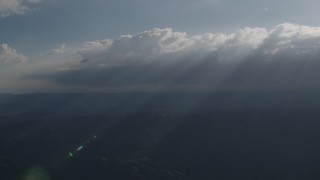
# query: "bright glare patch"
[36,173]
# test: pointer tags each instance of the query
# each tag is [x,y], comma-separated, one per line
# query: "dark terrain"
[169,136]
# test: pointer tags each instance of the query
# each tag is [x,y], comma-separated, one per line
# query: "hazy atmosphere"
[111,46]
[159,89]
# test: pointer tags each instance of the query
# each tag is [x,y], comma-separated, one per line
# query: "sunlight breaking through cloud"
[165,58]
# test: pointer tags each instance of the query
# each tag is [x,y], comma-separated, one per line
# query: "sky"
[149,45]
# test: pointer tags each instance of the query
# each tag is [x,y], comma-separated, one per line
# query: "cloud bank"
[286,56]
[10,7]
[9,55]
[57,51]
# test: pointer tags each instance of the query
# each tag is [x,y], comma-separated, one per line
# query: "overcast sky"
[57,45]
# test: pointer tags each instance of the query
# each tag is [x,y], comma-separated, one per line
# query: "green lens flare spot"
[70,154]
[79,148]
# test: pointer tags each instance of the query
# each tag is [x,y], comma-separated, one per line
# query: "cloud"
[61,49]
[10,55]
[150,45]
[10,7]
[250,58]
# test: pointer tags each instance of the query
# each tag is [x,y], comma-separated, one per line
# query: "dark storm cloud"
[284,57]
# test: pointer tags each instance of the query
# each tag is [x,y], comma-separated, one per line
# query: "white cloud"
[60,49]
[291,36]
[89,49]
[161,57]
[9,7]
[153,44]
[10,55]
